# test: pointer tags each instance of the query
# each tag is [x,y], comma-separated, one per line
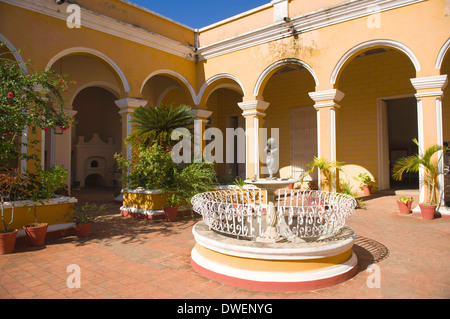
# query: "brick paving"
[134,258]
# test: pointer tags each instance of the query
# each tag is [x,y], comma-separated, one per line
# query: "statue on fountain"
[270,151]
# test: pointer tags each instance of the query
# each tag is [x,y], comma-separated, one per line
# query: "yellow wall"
[363,81]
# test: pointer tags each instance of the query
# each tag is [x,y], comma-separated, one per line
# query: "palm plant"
[428,162]
[326,168]
[155,124]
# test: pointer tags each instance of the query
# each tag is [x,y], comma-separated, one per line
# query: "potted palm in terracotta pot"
[171,209]
[429,162]
[366,182]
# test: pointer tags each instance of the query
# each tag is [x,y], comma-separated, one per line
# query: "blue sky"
[199,13]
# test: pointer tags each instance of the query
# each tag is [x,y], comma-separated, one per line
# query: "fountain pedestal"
[271,185]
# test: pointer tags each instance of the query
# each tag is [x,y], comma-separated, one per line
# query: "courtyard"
[127,258]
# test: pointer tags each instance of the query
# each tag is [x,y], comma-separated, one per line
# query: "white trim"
[333,145]
[90,51]
[430,82]
[369,44]
[99,22]
[52,201]
[177,76]
[256,144]
[275,276]
[346,11]
[440,141]
[441,54]
[421,146]
[279,64]
[14,52]
[216,78]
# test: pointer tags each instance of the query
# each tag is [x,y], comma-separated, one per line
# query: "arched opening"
[97,129]
[97,136]
[377,119]
[226,114]
[292,111]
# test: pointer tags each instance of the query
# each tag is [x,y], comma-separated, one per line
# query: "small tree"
[326,169]
[155,124]
[13,187]
[33,100]
[430,164]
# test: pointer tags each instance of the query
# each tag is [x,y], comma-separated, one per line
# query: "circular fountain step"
[274,266]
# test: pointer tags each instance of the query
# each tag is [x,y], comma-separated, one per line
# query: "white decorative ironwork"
[301,215]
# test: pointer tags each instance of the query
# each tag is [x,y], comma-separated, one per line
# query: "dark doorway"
[402,128]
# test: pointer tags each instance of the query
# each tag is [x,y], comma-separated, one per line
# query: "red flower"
[54,111]
[60,80]
[7,134]
[45,129]
[10,95]
[68,126]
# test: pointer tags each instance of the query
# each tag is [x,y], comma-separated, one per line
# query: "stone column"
[253,112]
[326,106]
[429,115]
[127,107]
[61,148]
[201,119]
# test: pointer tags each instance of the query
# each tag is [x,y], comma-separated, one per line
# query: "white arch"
[372,43]
[102,84]
[441,55]
[176,75]
[216,77]
[16,54]
[78,50]
[277,64]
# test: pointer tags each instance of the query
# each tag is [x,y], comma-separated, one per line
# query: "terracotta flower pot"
[427,211]
[171,213]
[405,209]
[7,242]
[36,234]
[366,189]
[84,230]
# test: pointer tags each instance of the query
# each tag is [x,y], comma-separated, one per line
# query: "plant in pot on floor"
[404,204]
[429,162]
[366,182]
[13,187]
[43,187]
[171,210]
[84,216]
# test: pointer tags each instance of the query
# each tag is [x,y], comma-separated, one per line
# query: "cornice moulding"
[318,19]
[98,22]
[430,82]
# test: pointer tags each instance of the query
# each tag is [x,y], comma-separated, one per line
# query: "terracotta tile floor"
[131,258]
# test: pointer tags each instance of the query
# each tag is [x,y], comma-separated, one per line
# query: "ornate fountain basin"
[301,215]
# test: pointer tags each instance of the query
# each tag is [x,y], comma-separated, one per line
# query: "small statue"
[270,151]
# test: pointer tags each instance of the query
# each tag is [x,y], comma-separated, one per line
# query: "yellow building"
[353,81]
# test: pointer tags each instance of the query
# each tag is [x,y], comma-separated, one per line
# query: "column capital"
[256,107]
[128,104]
[327,98]
[71,113]
[201,114]
[430,85]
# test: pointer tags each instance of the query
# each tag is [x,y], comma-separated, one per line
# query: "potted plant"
[366,182]
[171,209]
[404,204]
[327,171]
[13,187]
[84,216]
[44,186]
[429,162]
